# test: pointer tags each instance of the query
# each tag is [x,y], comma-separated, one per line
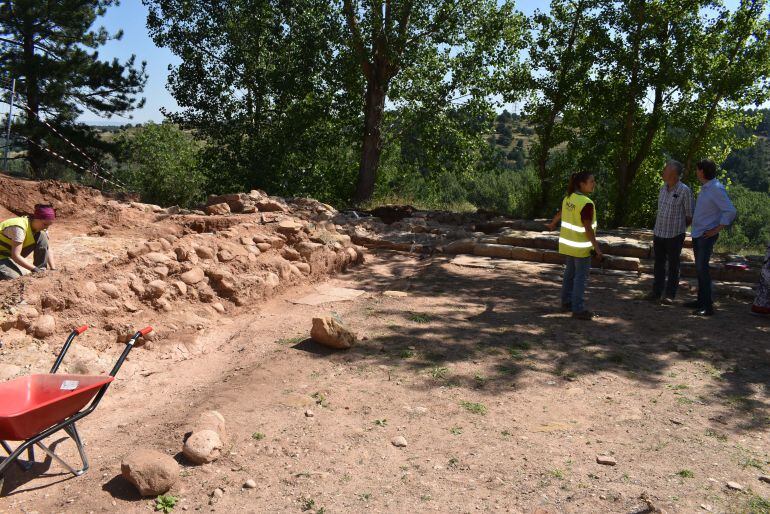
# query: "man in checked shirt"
[674,215]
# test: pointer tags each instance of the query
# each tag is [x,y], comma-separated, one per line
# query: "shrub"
[161,163]
[750,233]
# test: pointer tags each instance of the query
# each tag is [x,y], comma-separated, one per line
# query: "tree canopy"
[51,49]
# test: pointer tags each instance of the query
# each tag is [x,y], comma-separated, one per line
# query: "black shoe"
[708,311]
[566,307]
[692,305]
[667,300]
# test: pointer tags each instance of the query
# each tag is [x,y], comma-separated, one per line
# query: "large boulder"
[52,302]
[550,257]
[207,438]
[329,332]
[288,227]
[236,202]
[617,263]
[306,249]
[203,447]
[271,205]
[526,254]
[156,288]
[150,471]
[460,246]
[218,209]
[492,250]
[193,276]
[109,289]
[211,420]
[44,326]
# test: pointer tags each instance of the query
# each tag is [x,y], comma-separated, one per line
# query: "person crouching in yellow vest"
[577,238]
[25,236]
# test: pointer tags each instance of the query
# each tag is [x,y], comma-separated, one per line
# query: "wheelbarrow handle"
[127,349]
[75,332]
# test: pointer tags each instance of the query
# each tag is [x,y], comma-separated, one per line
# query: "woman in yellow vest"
[577,238]
[25,236]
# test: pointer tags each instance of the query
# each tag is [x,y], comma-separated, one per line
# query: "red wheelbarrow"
[37,406]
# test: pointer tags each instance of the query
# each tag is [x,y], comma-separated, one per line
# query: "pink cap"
[44,212]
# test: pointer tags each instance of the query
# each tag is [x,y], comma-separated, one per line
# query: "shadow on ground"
[512,317]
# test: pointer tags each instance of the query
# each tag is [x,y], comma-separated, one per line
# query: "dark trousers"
[9,270]
[703,247]
[667,250]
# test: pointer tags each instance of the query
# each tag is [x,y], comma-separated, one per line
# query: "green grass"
[439,372]
[713,371]
[456,430]
[557,473]
[419,317]
[381,422]
[289,341]
[716,435]
[475,408]
[753,463]
[406,354]
[365,497]
[740,402]
[165,503]
[515,353]
[320,399]
[479,380]
[257,436]
[686,473]
[757,505]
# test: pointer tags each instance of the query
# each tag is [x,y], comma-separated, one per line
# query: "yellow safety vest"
[573,239]
[5,243]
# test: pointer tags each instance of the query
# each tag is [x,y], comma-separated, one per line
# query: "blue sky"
[131,16]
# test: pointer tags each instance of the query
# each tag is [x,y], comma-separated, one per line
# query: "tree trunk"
[372,141]
[542,164]
[35,156]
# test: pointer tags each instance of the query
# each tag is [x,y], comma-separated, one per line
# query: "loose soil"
[504,401]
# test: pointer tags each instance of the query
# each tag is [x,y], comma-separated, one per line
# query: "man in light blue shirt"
[713,212]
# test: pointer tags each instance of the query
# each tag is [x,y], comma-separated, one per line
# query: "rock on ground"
[150,471]
[606,460]
[44,326]
[207,439]
[218,209]
[192,276]
[329,332]
[399,441]
[203,447]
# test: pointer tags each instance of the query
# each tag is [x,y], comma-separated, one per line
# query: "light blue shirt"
[712,208]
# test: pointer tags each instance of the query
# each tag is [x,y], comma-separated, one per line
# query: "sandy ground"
[505,404]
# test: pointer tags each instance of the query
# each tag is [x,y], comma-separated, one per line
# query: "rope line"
[71,163]
[81,152]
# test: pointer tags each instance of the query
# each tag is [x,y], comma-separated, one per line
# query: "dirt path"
[505,404]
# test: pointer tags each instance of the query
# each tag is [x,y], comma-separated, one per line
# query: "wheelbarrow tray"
[30,404]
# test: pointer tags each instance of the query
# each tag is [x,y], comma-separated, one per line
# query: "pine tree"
[51,49]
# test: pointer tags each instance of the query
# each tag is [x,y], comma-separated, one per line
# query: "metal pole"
[8,127]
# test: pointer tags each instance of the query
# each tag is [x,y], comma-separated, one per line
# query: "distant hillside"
[514,136]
